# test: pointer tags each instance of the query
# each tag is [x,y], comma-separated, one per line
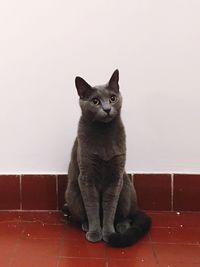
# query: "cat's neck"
[101,125]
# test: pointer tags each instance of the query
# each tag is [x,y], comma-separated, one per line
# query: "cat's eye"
[113,99]
[95,101]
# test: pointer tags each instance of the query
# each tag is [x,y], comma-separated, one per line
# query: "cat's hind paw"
[65,210]
[123,226]
[85,227]
[94,236]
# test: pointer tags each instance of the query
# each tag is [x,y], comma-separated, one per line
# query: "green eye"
[95,101]
[113,99]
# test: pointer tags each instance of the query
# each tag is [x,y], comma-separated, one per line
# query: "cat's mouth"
[107,118]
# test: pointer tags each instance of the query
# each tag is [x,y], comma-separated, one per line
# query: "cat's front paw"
[94,236]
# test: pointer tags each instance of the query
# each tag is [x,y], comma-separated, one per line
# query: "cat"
[100,195]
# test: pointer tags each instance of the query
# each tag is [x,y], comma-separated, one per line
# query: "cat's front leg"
[90,197]
[109,203]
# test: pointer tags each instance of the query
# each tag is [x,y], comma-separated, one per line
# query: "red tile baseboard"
[160,192]
[38,192]
[187,192]
[153,191]
[9,192]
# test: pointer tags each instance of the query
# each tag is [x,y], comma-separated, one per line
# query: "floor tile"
[191,219]
[10,216]
[165,219]
[34,262]
[177,253]
[7,249]
[10,231]
[46,217]
[40,230]
[130,263]
[4,262]
[80,262]
[73,232]
[37,239]
[37,248]
[178,264]
[175,219]
[50,217]
[176,235]
[140,252]
[77,248]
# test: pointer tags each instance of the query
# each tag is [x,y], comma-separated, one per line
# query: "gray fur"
[100,194]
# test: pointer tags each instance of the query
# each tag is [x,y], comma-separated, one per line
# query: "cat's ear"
[83,88]
[114,81]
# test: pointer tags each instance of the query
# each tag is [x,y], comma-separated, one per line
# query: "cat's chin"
[106,119]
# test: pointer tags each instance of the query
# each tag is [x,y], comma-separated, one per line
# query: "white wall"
[44,44]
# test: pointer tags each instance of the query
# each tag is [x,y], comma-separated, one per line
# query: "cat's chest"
[106,149]
[104,145]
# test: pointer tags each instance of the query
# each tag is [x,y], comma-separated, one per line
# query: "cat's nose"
[107,110]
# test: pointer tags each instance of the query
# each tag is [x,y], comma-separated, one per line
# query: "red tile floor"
[41,239]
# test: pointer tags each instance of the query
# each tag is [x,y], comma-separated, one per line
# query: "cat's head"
[100,103]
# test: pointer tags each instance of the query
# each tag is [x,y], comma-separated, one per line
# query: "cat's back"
[73,170]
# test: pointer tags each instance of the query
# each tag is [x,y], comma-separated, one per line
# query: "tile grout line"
[20,191]
[153,249]
[79,257]
[175,243]
[106,258]
[57,193]
[61,246]
[59,251]
[172,192]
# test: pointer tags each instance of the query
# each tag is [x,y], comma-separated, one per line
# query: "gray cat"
[100,194]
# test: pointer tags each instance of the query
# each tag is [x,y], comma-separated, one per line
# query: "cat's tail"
[141,225]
